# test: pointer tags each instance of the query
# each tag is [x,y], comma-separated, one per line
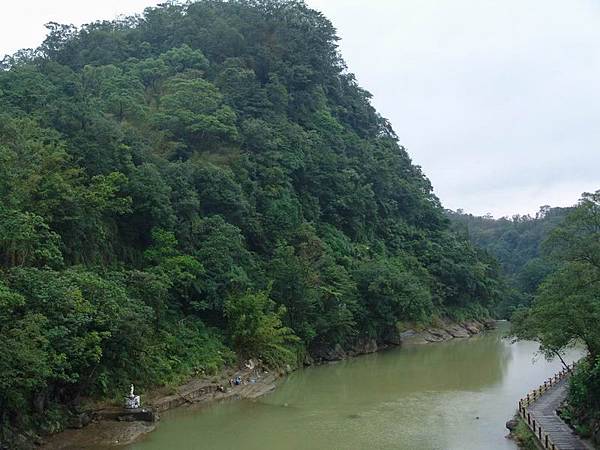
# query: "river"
[451,395]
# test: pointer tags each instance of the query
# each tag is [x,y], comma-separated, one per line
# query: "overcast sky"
[497,100]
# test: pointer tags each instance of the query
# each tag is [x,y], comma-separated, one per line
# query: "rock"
[330,354]
[440,333]
[512,424]
[79,421]
[473,327]
[392,337]
[428,337]
[434,336]
[364,345]
[407,334]
[596,436]
[128,415]
[126,418]
[414,337]
[490,324]
[308,360]
[456,331]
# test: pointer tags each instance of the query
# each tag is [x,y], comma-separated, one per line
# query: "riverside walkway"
[538,409]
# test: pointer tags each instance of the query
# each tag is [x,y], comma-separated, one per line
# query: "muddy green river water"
[452,395]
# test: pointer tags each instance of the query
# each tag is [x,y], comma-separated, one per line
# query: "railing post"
[546,441]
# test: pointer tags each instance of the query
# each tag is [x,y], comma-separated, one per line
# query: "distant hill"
[516,243]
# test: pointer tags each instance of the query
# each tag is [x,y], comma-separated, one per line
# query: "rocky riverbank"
[255,382]
[109,429]
[443,331]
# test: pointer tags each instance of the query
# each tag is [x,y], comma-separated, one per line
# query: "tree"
[180,273]
[193,109]
[566,309]
[391,293]
[256,330]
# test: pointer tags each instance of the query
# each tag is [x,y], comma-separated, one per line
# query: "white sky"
[497,100]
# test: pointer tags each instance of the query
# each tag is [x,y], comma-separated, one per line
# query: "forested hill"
[516,243]
[198,182]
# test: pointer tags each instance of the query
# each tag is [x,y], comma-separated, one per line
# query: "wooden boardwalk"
[538,410]
[544,413]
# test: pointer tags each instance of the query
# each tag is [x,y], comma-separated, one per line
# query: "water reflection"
[471,364]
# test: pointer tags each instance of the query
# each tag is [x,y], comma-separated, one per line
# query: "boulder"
[512,424]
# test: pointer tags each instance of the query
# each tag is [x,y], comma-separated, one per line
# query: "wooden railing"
[532,396]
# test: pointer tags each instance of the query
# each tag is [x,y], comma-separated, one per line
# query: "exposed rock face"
[436,335]
[308,360]
[407,334]
[490,324]
[456,331]
[360,346]
[445,332]
[335,353]
[473,327]
[365,345]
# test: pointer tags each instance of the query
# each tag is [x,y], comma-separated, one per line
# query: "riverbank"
[256,382]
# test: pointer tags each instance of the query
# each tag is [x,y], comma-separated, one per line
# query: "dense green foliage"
[566,308]
[517,245]
[582,410]
[203,177]
[525,438]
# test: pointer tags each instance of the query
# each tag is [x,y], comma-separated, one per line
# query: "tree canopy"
[203,177]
